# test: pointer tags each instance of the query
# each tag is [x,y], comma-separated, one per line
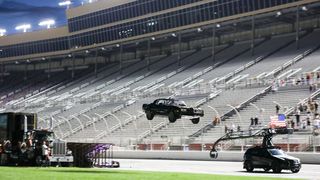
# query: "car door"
[265,157]
[260,157]
[160,107]
[168,106]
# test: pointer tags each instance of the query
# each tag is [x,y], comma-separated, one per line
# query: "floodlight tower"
[66,3]
[23,27]
[2,32]
[48,23]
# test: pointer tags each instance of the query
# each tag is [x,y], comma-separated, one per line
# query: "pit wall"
[306,158]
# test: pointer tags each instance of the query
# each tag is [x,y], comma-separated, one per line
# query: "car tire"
[249,166]
[266,169]
[38,161]
[195,120]
[149,115]
[214,154]
[276,167]
[172,117]
[293,170]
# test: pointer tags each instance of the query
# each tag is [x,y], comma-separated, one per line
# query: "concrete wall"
[307,158]
[45,34]
[95,6]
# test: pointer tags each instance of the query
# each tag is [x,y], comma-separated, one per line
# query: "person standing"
[45,152]
[277,109]
[298,117]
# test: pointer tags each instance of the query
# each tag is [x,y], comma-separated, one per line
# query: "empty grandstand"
[235,59]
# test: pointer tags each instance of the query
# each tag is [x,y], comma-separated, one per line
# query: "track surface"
[308,171]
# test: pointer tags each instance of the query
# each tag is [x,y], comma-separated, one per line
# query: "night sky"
[15,12]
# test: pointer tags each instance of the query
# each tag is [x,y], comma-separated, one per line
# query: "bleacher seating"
[107,108]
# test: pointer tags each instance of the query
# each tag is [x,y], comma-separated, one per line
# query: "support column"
[253,35]
[2,72]
[73,65]
[120,58]
[297,27]
[149,54]
[213,53]
[25,72]
[105,60]
[179,49]
[96,64]
[49,68]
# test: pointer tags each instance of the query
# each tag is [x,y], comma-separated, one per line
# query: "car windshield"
[180,103]
[276,152]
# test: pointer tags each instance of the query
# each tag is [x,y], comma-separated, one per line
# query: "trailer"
[22,144]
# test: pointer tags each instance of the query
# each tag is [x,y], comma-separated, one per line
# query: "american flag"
[278,121]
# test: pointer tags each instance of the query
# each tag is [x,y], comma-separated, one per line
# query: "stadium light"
[218,25]
[279,13]
[153,38]
[65,3]
[2,32]
[304,8]
[174,35]
[47,23]
[199,30]
[23,27]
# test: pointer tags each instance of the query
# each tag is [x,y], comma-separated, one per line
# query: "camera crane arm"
[266,133]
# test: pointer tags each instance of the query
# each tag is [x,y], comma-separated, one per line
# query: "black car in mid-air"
[173,109]
[270,158]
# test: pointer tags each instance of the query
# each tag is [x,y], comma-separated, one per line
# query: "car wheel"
[195,120]
[149,115]
[266,169]
[276,168]
[172,117]
[294,170]
[38,161]
[214,154]
[249,166]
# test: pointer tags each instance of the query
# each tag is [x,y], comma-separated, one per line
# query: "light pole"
[48,23]
[235,109]
[66,120]
[134,123]
[23,27]
[90,119]
[65,3]
[2,32]
[105,121]
[217,113]
[120,124]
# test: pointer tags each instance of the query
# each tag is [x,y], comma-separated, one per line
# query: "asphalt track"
[308,171]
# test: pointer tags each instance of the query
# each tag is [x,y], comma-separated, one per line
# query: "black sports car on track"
[173,109]
[270,158]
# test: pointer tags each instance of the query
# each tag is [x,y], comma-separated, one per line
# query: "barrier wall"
[307,158]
